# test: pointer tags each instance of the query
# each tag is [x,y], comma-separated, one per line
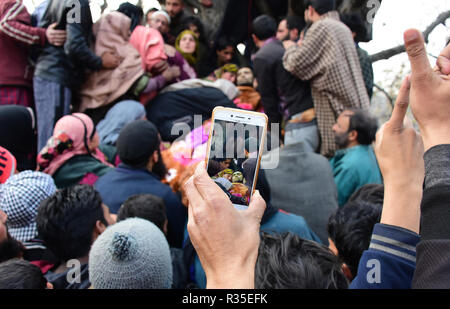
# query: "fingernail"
[411,35]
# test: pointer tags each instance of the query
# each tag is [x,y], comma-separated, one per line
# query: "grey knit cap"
[131,254]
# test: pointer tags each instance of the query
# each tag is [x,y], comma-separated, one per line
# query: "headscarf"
[229,67]
[150,45]
[18,135]
[190,58]
[118,117]
[132,11]
[71,137]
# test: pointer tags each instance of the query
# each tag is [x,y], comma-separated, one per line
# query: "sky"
[391,20]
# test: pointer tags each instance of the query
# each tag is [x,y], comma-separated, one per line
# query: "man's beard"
[10,248]
[159,168]
[341,140]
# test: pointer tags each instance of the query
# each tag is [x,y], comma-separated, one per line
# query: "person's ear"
[347,273]
[49,286]
[155,156]
[165,227]
[99,228]
[255,39]
[353,136]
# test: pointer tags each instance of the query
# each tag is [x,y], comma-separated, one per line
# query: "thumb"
[257,206]
[415,47]
[52,26]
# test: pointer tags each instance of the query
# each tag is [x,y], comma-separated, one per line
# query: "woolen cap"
[137,142]
[131,254]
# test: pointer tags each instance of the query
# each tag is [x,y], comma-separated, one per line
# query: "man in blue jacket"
[355,164]
[141,172]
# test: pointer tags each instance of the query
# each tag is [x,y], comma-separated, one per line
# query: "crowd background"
[104,135]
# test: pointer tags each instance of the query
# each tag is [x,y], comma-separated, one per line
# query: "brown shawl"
[112,33]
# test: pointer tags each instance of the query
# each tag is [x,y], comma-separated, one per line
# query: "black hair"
[295,22]
[366,126]
[264,27]
[286,261]
[321,6]
[144,206]
[222,43]
[19,274]
[192,20]
[10,248]
[356,25]
[65,221]
[132,11]
[351,226]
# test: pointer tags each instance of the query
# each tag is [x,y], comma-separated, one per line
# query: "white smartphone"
[235,147]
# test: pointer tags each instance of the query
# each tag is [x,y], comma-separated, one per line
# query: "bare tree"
[388,53]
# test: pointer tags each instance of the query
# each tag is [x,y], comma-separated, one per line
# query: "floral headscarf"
[71,136]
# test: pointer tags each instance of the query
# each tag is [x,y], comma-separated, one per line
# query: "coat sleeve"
[389,262]
[16,23]
[267,86]
[77,45]
[308,60]
[433,267]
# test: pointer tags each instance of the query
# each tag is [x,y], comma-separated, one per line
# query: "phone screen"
[234,158]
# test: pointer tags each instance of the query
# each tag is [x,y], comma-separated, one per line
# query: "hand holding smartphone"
[235,146]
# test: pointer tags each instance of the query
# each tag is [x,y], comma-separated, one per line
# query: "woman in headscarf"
[72,155]
[118,117]
[18,135]
[187,45]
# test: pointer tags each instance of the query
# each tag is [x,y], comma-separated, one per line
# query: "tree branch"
[388,53]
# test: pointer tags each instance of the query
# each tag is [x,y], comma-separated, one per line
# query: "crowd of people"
[104,131]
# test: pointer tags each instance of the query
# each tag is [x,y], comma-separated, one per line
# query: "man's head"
[145,206]
[160,21]
[149,14]
[138,146]
[295,25]
[174,7]
[289,262]
[356,25]
[18,274]
[264,27]
[10,248]
[245,77]
[350,227]
[71,219]
[316,8]
[282,31]
[224,51]
[355,127]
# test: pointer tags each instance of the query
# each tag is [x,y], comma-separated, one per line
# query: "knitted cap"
[163,13]
[136,143]
[7,164]
[21,197]
[131,254]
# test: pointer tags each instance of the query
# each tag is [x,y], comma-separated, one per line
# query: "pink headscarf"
[150,44]
[70,135]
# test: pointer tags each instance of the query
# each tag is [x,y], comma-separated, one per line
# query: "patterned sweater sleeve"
[308,60]
[15,22]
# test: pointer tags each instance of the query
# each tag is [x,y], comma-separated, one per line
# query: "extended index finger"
[401,104]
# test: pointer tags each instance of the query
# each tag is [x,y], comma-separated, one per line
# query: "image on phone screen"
[234,158]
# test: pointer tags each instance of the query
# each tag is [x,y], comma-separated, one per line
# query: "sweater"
[390,261]
[16,36]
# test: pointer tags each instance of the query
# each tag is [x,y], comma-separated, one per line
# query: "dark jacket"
[60,281]
[433,265]
[295,93]
[294,182]
[124,181]
[390,261]
[66,65]
[265,65]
